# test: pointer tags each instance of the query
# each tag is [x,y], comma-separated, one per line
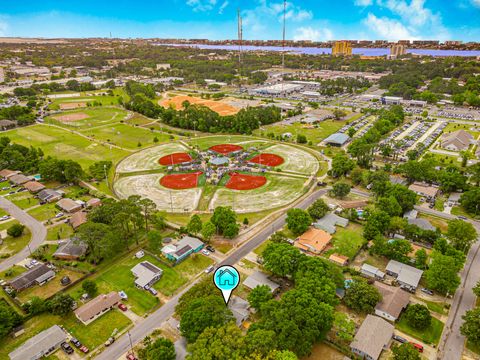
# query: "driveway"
[38,231]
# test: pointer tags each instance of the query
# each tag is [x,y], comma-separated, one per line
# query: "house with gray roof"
[37,275]
[373,336]
[329,222]
[40,345]
[407,276]
[410,215]
[372,272]
[49,195]
[20,179]
[394,300]
[71,249]
[240,309]
[259,278]
[423,224]
[182,249]
[146,274]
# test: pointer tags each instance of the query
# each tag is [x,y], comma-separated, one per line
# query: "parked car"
[461,217]
[205,252]
[210,248]
[67,348]
[209,269]
[400,339]
[4,217]
[11,193]
[153,291]
[131,357]
[84,349]
[321,183]
[417,346]
[110,341]
[75,342]
[427,291]
[122,307]
[60,214]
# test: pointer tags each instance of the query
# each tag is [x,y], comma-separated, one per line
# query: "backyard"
[430,335]
[347,241]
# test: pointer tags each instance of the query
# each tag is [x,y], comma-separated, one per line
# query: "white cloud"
[363,2]
[223,6]
[476,3]
[388,29]
[202,5]
[309,33]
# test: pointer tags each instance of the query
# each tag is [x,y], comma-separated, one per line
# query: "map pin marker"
[226,278]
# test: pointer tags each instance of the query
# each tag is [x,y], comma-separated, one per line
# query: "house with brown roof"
[7,174]
[313,241]
[97,307]
[94,202]
[456,141]
[69,205]
[34,186]
[394,300]
[373,336]
[425,190]
[19,179]
[79,218]
[72,249]
[339,259]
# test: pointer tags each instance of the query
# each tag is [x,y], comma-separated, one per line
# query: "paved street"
[39,232]
[144,327]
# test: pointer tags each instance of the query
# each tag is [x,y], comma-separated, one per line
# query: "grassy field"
[64,144]
[44,212]
[12,245]
[296,159]
[23,200]
[246,141]
[475,131]
[347,241]
[97,116]
[125,136]
[431,335]
[59,232]
[314,134]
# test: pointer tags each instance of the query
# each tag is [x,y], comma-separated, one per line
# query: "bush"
[16,230]
[418,316]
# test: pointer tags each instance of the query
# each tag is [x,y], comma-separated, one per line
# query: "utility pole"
[106,176]
[283,45]
[131,345]
[240,42]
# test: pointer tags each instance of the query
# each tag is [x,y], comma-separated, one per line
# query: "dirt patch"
[226,148]
[73,105]
[71,117]
[219,107]
[176,158]
[245,182]
[181,181]
[268,160]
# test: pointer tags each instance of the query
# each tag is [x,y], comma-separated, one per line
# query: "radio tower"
[240,41]
[283,45]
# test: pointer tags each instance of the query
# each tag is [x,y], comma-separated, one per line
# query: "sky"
[317,20]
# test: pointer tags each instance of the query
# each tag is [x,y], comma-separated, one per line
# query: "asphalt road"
[452,342]
[38,231]
[143,328]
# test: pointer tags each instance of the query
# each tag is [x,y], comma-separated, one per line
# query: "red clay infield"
[245,182]
[268,160]
[177,158]
[181,181]
[226,148]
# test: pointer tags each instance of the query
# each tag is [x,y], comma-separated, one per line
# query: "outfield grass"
[347,241]
[208,141]
[97,116]
[59,232]
[430,335]
[64,145]
[295,159]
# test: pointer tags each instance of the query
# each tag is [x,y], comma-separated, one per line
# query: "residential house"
[37,275]
[19,179]
[240,309]
[79,218]
[7,124]
[34,186]
[94,202]
[407,276]
[394,301]
[68,205]
[72,249]
[425,190]
[372,272]
[49,195]
[423,224]
[338,259]
[456,141]
[182,249]
[259,278]
[40,345]
[313,241]
[454,199]
[7,174]
[146,274]
[97,307]
[373,336]
[329,222]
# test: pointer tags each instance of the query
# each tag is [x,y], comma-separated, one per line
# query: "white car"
[205,252]
[5,217]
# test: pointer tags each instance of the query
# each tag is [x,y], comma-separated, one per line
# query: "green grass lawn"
[347,241]
[64,145]
[12,272]
[23,200]
[193,265]
[459,210]
[473,347]
[126,136]
[44,212]
[259,250]
[475,131]
[59,232]
[431,335]
[13,245]
[97,116]
[437,307]
[245,141]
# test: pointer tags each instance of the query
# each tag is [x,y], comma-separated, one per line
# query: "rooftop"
[394,299]
[406,274]
[97,305]
[145,272]
[259,278]
[337,138]
[313,240]
[39,344]
[373,335]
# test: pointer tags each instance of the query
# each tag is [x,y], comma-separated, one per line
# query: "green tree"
[362,297]
[340,190]
[90,287]
[259,296]
[160,349]
[60,304]
[35,306]
[16,230]
[476,289]
[418,316]
[281,259]
[222,217]
[301,139]
[461,234]
[10,318]
[471,325]
[195,224]
[298,221]
[442,274]
[154,238]
[341,165]
[318,209]
[98,239]
[208,230]
[231,230]
[377,224]
[344,327]
[421,258]
[100,169]
[470,200]
[405,352]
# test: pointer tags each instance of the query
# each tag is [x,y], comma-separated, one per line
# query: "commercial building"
[391,100]
[342,48]
[41,345]
[37,275]
[407,276]
[373,336]
[146,274]
[456,141]
[313,241]
[397,50]
[394,300]
[337,139]
[97,307]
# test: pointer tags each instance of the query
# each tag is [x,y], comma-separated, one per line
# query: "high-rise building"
[342,48]
[397,50]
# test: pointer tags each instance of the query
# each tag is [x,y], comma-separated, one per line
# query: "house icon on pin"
[226,278]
